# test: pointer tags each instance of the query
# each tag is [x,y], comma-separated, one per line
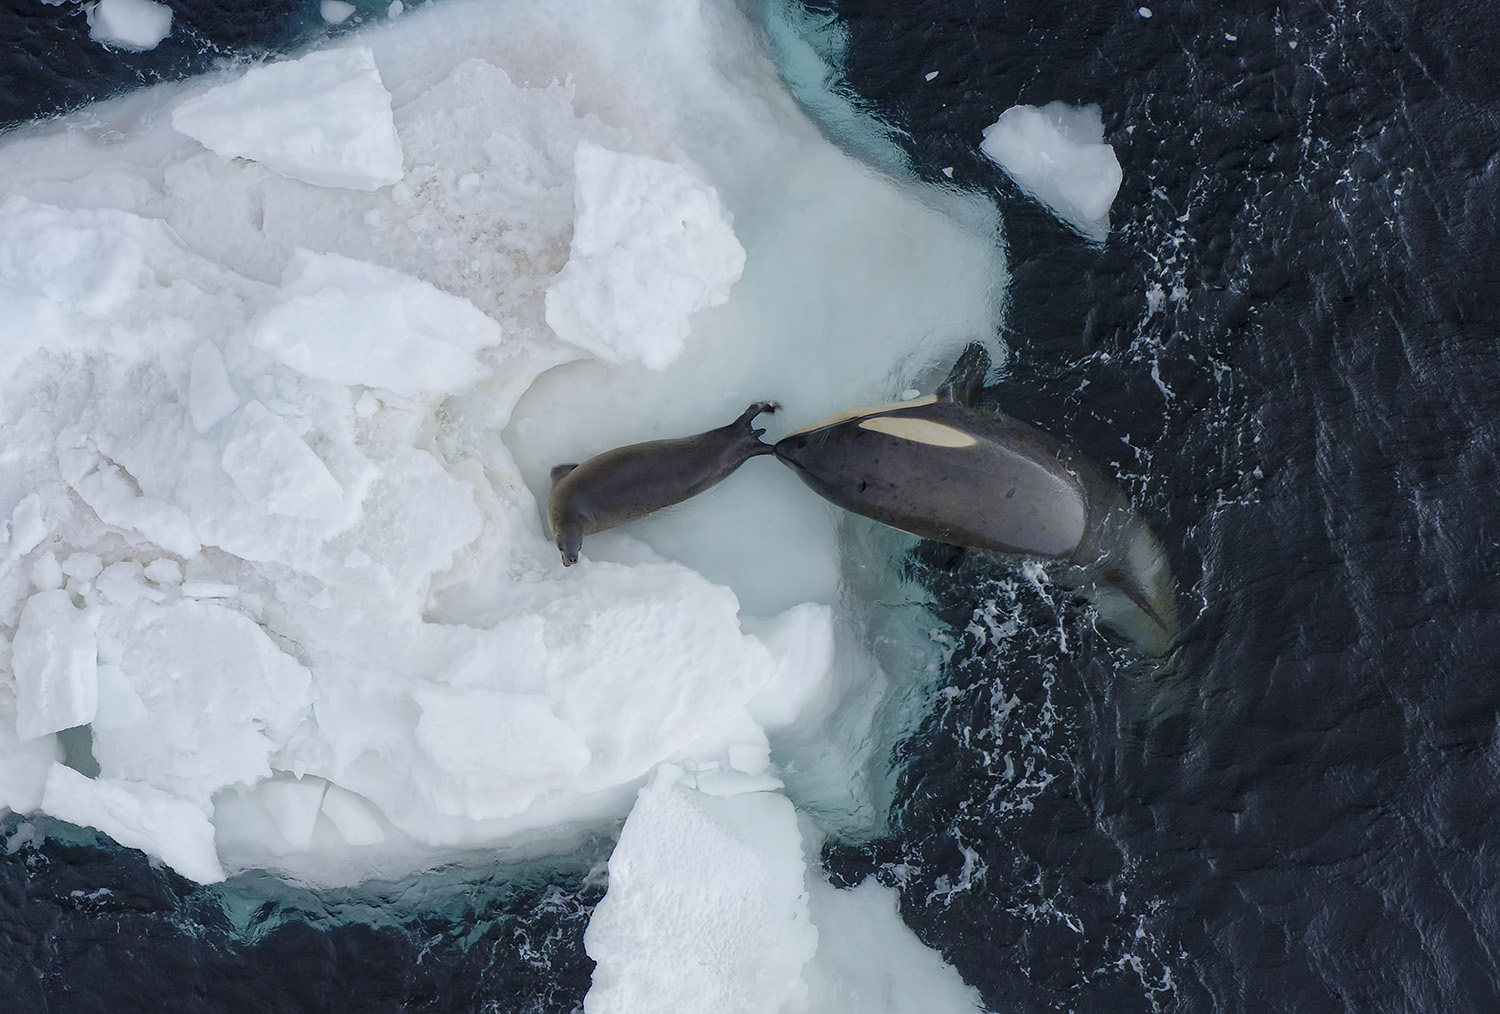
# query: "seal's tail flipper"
[559,471]
[965,381]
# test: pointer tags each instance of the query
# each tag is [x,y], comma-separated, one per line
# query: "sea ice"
[211,397]
[352,817]
[136,25]
[1057,155]
[324,119]
[23,762]
[284,447]
[294,805]
[27,529]
[273,466]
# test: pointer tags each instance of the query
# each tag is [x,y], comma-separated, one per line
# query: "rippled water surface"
[1287,350]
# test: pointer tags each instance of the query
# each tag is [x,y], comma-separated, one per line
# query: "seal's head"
[569,542]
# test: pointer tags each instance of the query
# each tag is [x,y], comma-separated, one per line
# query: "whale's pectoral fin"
[1133,591]
[965,381]
[559,471]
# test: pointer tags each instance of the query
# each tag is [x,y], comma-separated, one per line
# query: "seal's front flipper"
[748,416]
[559,471]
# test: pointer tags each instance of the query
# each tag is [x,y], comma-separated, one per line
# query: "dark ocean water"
[49,64]
[1303,815]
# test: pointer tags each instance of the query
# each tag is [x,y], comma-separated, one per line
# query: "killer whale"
[942,468]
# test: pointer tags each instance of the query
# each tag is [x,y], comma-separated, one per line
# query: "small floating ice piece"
[324,119]
[652,245]
[1057,155]
[136,25]
[335,12]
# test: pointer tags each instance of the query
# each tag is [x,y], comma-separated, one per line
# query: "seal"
[941,468]
[630,482]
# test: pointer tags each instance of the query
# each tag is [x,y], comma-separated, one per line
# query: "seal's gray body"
[630,482]
[940,468]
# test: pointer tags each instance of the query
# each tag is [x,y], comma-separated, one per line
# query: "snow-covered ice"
[138,816]
[54,660]
[353,322]
[135,25]
[276,451]
[1057,154]
[324,119]
[706,910]
[651,246]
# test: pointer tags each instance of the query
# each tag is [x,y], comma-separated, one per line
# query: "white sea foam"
[275,453]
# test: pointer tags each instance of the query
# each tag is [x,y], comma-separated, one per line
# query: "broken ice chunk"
[54,659]
[324,119]
[137,816]
[273,466]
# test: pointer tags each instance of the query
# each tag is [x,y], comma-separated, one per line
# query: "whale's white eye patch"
[855,413]
[921,431]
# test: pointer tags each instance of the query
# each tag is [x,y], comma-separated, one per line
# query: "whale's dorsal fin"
[558,471]
[966,380]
